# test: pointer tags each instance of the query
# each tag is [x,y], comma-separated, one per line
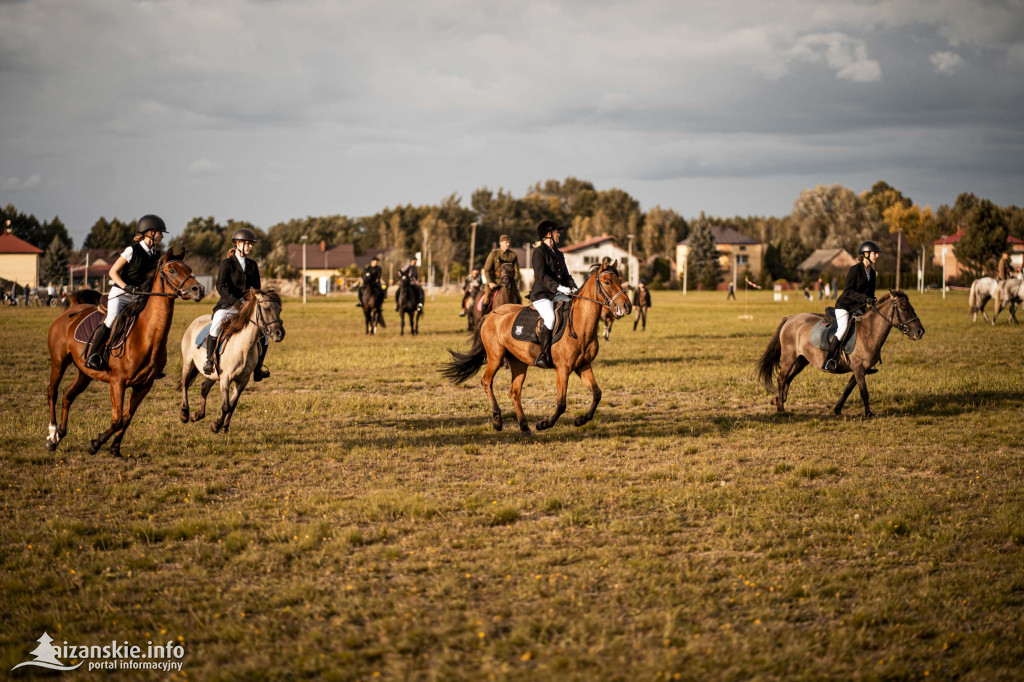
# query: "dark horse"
[371,299]
[506,292]
[142,360]
[408,304]
[790,349]
[493,343]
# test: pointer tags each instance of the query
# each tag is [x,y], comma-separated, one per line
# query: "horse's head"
[178,277]
[903,316]
[508,275]
[608,287]
[266,312]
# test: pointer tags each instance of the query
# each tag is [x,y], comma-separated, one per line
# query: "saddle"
[825,330]
[201,341]
[118,335]
[526,326]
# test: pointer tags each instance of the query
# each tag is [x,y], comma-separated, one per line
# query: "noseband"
[261,320]
[896,318]
[607,301]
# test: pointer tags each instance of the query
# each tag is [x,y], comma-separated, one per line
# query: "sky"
[266,110]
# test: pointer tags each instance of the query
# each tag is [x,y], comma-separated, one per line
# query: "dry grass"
[363,517]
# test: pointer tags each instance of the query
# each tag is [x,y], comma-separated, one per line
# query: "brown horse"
[142,360]
[790,349]
[609,320]
[505,293]
[574,352]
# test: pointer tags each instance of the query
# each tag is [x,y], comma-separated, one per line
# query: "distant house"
[19,260]
[826,262]
[325,260]
[738,253]
[954,268]
[581,256]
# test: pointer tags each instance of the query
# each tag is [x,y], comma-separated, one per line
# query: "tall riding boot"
[97,344]
[831,364]
[261,372]
[211,351]
[544,360]
[359,297]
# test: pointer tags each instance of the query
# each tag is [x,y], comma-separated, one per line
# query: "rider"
[859,291]
[412,273]
[1005,268]
[238,273]
[551,282]
[129,272]
[492,266]
[470,286]
[371,278]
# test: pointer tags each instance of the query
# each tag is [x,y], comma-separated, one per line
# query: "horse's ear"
[614,265]
[181,254]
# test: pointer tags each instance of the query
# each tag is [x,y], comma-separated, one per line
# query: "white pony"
[1010,293]
[259,315]
[982,290]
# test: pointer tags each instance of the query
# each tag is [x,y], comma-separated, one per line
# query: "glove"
[563,290]
[871,300]
[131,289]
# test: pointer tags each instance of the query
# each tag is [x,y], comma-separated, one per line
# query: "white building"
[581,256]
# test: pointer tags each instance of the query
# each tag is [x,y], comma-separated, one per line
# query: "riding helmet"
[243,234]
[545,227]
[867,246]
[151,222]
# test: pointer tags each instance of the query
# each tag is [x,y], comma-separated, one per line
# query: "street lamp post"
[634,281]
[305,238]
[472,246]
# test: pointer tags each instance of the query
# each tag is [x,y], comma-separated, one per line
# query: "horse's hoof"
[542,425]
[116,452]
[215,427]
[525,430]
[93,447]
[580,420]
[869,415]
[183,416]
[198,416]
[51,446]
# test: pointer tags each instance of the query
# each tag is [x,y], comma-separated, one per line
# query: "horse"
[1010,292]
[373,309]
[468,300]
[641,304]
[138,366]
[408,304]
[983,289]
[574,352]
[608,319]
[506,292]
[259,315]
[790,349]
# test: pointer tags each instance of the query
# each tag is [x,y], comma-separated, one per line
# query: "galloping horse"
[574,352]
[790,349]
[372,307]
[260,315]
[507,292]
[468,301]
[142,360]
[1009,293]
[407,305]
[983,289]
[609,319]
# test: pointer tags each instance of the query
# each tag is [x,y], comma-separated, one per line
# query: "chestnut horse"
[506,292]
[790,349]
[142,360]
[574,352]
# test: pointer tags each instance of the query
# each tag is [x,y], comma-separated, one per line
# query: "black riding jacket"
[860,286]
[233,282]
[549,272]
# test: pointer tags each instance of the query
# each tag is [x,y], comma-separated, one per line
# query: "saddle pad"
[83,332]
[203,333]
[527,321]
[825,330]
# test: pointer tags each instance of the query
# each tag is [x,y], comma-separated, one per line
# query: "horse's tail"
[972,299]
[770,360]
[464,365]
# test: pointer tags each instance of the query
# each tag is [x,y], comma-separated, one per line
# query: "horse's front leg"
[116,414]
[226,386]
[57,370]
[586,374]
[188,375]
[236,389]
[862,384]
[838,409]
[138,393]
[561,384]
[204,391]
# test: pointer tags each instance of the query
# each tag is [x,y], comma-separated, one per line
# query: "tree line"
[822,217]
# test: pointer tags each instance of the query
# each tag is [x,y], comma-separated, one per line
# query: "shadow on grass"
[960,402]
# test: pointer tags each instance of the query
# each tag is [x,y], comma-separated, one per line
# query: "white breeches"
[220,317]
[842,322]
[546,308]
[117,299]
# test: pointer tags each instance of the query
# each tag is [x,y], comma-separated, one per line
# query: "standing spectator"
[27,289]
[835,287]
[51,291]
[732,291]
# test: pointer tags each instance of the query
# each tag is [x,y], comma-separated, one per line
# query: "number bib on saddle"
[528,321]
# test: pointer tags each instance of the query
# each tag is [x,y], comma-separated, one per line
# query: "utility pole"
[305,237]
[472,246]
[899,253]
[629,263]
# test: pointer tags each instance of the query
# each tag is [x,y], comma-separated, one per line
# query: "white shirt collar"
[146,247]
[241,258]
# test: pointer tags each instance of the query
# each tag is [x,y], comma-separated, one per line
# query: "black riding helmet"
[868,246]
[150,222]
[545,227]
[243,234]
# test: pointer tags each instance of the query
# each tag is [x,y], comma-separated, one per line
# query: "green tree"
[113,235]
[984,239]
[835,217]
[54,266]
[702,264]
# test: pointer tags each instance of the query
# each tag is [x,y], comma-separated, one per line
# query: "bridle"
[261,318]
[179,288]
[895,319]
[608,300]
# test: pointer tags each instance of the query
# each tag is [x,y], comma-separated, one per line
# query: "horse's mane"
[248,303]
[603,266]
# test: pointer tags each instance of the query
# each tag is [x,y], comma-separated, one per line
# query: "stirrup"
[260,373]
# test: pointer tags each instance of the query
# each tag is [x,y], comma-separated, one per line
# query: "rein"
[606,303]
[899,322]
[178,289]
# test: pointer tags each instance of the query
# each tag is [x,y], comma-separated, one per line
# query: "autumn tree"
[985,237]
[835,217]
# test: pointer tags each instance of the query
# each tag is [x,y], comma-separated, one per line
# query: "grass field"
[362,518]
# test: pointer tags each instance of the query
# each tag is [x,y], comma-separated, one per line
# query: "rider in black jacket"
[858,292]
[551,282]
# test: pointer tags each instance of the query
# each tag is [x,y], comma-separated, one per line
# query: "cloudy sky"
[262,110]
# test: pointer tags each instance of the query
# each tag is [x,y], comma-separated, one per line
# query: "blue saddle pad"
[203,333]
[823,332]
